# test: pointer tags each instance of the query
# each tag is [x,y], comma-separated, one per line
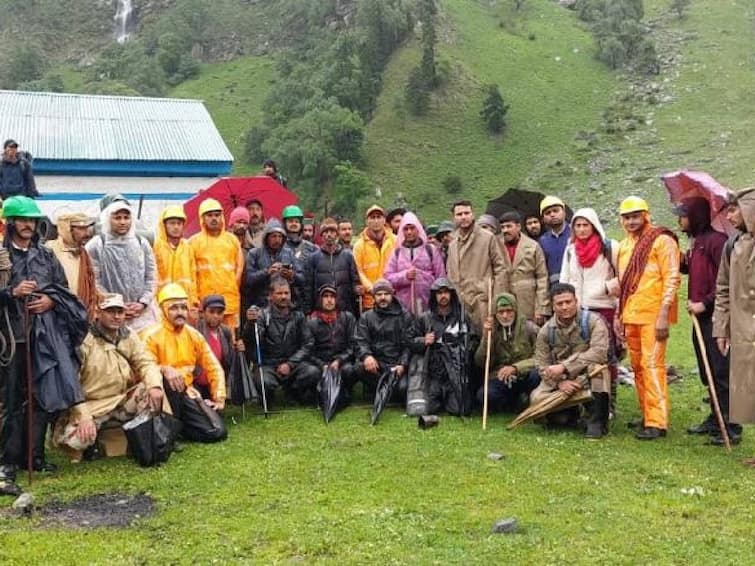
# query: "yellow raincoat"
[183,350]
[175,265]
[372,260]
[220,264]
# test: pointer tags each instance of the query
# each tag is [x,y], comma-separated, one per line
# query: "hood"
[697,210]
[591,216]
[746,201]
[273,226]
[519,321]
[161,235]
[410,218]
[490,220]
[115,206]
[438,284]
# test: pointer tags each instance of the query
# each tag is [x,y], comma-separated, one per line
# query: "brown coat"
[734,314]
[529,277]
[473,259]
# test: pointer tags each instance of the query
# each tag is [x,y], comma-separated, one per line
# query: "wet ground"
[104,510]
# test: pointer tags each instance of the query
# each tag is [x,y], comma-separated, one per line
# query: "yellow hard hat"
[209,205]
[549,201]
[171,291]
[174,211]
[633,204]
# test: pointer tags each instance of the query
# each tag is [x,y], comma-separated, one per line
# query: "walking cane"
[487,359]
[413,297]
[29,394]
[259,367]
[711,386]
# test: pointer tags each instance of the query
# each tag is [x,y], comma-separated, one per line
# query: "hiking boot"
[735,436]
[8,485]
[708,426]
[597,424]
[650,433]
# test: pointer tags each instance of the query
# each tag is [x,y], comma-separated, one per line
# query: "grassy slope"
[550,100]
[233,93]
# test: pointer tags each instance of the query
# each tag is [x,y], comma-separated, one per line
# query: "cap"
[111,301]
[382,285]
[489,220]
[328,224]
[325,289]
[216,301]
[431,229]
[445,226]
[374,208]
[238,214]
[549,201]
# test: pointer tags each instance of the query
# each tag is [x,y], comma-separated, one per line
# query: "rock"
[505,526]
[495,456]
[24,504]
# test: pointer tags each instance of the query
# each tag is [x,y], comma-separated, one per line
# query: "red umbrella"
[684,184]
[237,191]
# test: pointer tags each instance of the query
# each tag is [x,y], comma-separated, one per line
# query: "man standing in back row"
[474,257]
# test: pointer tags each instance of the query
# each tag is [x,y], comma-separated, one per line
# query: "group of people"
[138,326]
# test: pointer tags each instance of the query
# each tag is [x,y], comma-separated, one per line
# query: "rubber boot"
[8,485]
[597,425]
[614,393]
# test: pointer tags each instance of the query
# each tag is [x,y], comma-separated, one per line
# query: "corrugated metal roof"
[79,126]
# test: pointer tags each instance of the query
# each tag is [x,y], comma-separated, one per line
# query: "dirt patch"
[104,510]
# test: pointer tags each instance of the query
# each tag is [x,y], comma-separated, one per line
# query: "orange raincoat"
[175,265]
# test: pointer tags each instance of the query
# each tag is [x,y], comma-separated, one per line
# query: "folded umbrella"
[686,184]
[330,391]
[240,383]
[556,401]
[386,385]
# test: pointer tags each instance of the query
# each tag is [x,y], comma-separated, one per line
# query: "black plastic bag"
[201,422]
[151,438]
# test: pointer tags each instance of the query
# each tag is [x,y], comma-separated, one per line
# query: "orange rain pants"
[648,358]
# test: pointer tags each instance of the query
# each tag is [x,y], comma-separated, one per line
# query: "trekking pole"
[259,367]
[487,359]
[29,395]
[711,386]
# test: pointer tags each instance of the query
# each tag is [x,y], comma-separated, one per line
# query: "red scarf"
[588,250]
[326,317]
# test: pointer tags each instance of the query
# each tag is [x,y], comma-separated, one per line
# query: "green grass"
[291,489]
[233,93]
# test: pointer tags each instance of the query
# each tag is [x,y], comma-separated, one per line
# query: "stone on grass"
[24,504]
[505,526]
[495,456]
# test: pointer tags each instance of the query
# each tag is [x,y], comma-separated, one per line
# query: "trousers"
[648,358]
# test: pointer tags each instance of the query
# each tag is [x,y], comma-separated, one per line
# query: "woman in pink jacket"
[414,265]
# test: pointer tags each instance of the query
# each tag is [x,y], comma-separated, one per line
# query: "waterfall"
[123,15]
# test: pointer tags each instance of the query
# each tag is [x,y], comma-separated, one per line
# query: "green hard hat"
[21,207]
[292,211]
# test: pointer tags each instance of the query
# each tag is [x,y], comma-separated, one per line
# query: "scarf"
[638,262]
[327,317]
[588,250]
[87,291]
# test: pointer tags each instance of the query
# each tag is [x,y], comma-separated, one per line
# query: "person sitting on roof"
[178,349]
[270,169]
[16,175]
[119,380]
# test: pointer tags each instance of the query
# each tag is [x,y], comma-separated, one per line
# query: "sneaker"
[650,433]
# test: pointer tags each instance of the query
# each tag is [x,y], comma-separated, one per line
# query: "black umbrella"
[330,391]
[383,393]
[240,381]
[520,200]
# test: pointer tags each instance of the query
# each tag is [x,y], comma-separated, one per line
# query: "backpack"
[584,328]
[729,245]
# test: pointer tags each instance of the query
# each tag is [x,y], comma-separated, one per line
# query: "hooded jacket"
[591,283]
[702,259]
[284,338]
[125,265]
[259,260]
[427,262]
[175,264]
[735,313]
[219,263]
[386,334]
[517,351]
[184,349]
[336,268]
[453,328]
[371,260]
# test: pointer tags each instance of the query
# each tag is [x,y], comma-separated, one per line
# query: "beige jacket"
[529,277]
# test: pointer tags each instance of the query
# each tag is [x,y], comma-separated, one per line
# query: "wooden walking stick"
[711,385]
[413,298]
[487,359]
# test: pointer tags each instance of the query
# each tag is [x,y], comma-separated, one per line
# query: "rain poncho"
[427,262]
[175,265]
[125,265]
[220,265]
